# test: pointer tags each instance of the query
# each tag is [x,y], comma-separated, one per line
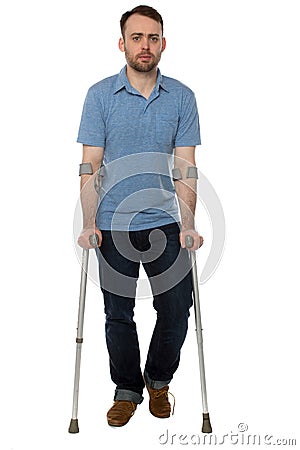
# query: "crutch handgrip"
[94,240]
[189,241]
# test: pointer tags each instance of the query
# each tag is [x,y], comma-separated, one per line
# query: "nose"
[145,44]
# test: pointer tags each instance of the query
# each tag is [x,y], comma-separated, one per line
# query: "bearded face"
[142,62]
[143,43]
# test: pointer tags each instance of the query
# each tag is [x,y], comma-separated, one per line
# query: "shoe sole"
[111,423]
[160,417]
[118,424]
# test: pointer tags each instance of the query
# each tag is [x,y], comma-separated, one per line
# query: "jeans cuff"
[130,396]
[155,384]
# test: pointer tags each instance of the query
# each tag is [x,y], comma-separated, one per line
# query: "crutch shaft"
[206,426]
[73,428]
[199,332]
[84,269]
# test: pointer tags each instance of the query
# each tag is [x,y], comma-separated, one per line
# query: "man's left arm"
[186,189]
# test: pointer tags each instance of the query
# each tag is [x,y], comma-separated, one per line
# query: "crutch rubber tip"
[206,426]
[73,428]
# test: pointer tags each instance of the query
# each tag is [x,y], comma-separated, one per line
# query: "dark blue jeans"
[167,266]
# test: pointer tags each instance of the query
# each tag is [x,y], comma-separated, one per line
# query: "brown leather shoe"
[159,404]
[120,413]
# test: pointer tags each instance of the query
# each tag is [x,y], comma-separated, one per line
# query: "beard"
[135,63]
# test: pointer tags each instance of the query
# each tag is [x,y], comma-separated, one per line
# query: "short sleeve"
[188,133]
[92,126]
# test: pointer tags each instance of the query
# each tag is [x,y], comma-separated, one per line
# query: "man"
[131,124]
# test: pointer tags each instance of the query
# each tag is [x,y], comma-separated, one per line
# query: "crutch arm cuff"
[176,174]
[192,172]
[85,169]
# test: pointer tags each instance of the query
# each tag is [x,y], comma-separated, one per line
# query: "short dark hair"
[142,10]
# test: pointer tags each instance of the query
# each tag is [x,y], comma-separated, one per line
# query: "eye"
[136,38]
[154,39]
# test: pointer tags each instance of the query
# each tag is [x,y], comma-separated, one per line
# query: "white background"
[241,59]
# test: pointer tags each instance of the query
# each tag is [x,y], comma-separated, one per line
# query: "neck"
[143,82]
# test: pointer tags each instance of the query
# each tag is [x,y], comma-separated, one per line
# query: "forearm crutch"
[206,426]
[73,428]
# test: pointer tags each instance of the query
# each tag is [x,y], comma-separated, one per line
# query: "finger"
[181,240]
[84,243]
[98,233]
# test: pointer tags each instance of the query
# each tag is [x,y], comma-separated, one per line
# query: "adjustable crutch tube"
[206,426]
[73,428]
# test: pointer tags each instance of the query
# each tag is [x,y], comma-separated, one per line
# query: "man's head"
[142,10]
[142,38]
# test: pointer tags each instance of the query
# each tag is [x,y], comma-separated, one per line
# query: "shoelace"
[165,392]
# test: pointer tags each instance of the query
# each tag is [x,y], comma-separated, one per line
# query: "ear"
[122,45]
[163,44]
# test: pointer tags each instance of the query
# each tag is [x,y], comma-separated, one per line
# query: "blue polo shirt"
[139,136]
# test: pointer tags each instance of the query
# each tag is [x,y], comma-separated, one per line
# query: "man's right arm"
[89,196]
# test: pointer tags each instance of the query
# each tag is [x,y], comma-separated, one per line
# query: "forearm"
[186,191]
[89,200]
[88,193]
[186,185]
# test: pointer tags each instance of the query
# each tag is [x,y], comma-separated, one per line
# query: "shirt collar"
[122,82]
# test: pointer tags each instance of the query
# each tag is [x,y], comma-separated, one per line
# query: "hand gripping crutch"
[206,426]
[73,428]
